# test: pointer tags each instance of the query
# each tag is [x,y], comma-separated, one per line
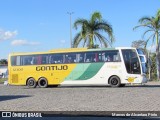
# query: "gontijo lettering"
[46,68]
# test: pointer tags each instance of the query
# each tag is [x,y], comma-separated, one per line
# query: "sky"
[42,25]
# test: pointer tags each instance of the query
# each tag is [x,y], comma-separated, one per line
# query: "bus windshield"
[140,52]
[131,61]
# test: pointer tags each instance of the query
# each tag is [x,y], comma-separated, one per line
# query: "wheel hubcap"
[43,82]
[31,83]
[114,82]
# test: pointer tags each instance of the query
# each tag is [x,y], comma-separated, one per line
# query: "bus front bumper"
[141,79]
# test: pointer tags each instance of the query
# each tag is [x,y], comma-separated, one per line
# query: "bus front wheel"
[31,83]
[42,82]
[114,81]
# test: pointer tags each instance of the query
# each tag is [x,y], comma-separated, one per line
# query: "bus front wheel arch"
[115,81]
[31,83]
[42,82]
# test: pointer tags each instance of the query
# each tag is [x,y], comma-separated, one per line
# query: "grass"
[2,80]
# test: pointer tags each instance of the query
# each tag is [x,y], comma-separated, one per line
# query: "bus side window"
[34,60]
[108,58]
[73,58]
[44,59]
[116,58]
[59,58]
[103,57]
[66,59]
[93,57]
[112,56]
[97,58]
[80,57]
[39,59]
[52,59]
[88,57]
[29,60]
[15,60]
[26,60]
[55,59]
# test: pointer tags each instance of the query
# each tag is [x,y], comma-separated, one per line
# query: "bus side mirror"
[143,58]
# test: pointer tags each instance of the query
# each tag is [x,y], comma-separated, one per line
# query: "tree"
[3,62]
[153,26]
[139,44]
[90,32]
[153,66]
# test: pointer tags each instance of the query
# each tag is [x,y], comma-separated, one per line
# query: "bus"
[77,66]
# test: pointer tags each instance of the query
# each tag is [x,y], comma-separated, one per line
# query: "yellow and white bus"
[78,66]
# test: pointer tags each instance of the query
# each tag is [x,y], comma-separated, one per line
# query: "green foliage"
[91,31]
[3,62]
[152,25]
[140,44]
[153,67]
[2,80]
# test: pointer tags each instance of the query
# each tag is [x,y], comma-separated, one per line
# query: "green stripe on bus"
[78,71]
[90,71]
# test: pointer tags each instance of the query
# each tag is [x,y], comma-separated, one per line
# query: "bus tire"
[54,85]
[31,83]
[114,81]
[122,85]
[43,83]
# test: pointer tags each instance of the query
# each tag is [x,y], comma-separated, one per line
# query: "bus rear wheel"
[42,82]
[114,81]
[31,83]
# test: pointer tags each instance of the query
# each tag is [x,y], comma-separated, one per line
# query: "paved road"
[99,98]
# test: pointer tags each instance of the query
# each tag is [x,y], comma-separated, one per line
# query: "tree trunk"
[91,45]
[157,64]
[157,56]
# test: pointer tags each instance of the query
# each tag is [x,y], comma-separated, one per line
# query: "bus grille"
[15,78]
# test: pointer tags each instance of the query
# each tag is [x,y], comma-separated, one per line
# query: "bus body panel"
[100,75]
